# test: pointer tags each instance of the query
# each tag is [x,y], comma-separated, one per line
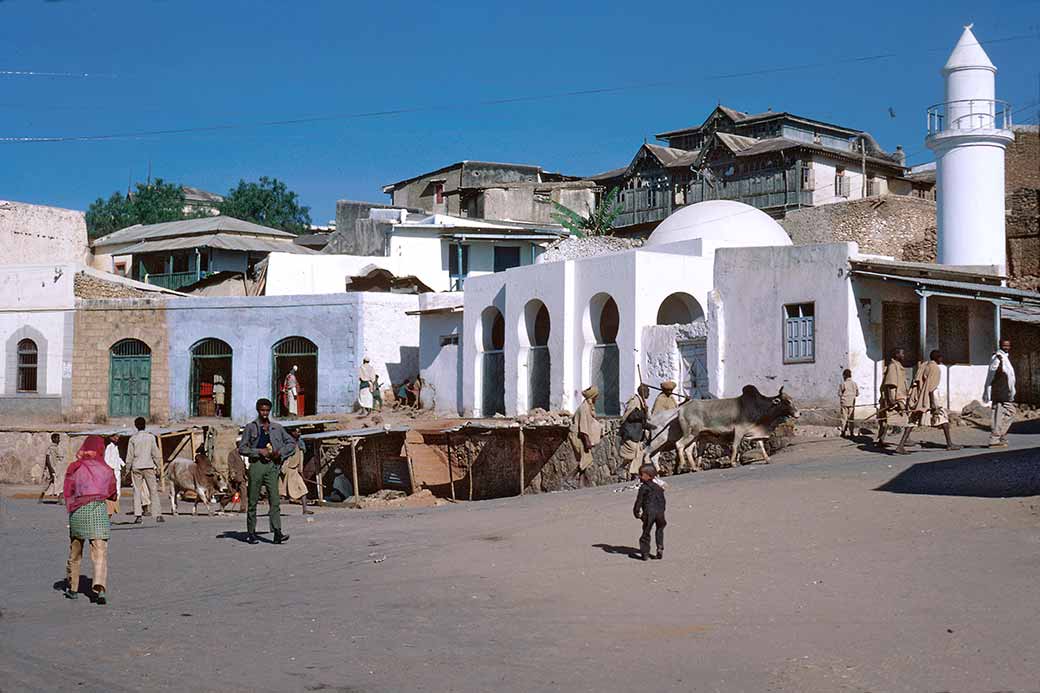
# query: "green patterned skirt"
[90,522]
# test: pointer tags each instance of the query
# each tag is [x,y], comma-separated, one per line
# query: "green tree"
[150,203]
[598,221]
[268,202]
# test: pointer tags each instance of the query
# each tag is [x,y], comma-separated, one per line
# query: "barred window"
[28,361]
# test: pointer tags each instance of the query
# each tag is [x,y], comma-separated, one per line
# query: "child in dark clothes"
[649,508]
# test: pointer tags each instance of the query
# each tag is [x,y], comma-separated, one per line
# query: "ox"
[751,414]
[198,478]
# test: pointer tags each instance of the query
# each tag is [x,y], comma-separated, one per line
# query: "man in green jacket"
[265,444]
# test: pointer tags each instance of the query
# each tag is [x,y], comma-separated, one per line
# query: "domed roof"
[720,221]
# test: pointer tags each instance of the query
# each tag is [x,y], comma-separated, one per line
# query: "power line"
[480,103]
[36,73]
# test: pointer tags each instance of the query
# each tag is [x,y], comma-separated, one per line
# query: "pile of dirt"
[389,500]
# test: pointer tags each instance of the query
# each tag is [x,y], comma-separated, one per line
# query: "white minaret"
[968,134]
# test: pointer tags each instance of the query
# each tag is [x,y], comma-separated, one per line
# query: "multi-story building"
[775,161]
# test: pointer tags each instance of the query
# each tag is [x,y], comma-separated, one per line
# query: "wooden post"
[411,468]
[353,466]
[522,483]
[451,475]
[319,477]
[193,446]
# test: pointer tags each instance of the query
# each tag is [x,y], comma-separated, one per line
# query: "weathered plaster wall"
[751,287]
[533,202]
[440,365]
[251,326]
[101,323]
[31,234]
[37,305]
[388,336]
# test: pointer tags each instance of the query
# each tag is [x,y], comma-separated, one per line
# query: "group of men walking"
[921,404]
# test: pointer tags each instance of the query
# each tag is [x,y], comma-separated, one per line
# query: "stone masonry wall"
[1022,160]
[899,226]
[1022,207]
[98,325]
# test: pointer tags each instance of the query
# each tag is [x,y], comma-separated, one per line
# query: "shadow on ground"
[992,475]
[629,551]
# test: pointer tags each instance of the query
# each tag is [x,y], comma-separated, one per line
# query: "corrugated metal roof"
[222,241]
[354,433]
[188,227]
[736,143]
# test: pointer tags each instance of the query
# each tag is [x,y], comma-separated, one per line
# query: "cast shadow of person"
[629,551]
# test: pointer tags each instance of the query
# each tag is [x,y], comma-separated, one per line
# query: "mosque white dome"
[721,221]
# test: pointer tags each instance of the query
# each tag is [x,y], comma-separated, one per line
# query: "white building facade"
[534,337]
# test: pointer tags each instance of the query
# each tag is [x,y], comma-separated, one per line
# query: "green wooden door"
[130,379]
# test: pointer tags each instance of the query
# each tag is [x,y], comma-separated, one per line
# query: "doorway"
[129,379]
[211,378]
[302,353]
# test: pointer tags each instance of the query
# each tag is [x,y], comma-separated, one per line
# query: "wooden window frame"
[786,319]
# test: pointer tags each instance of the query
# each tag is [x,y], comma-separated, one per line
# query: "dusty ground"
[833,569]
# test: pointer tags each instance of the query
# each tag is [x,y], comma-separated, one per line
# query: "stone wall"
[98,325]
[87,286]
[1023,238]
[1022,207]
[1022,160]
[35,234]
[899,226]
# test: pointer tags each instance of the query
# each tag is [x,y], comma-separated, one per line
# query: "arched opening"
[537,326]
[493,371]
[302,353]
[210,378]
[679,308]
[129,379]
[602,325]
[28,363]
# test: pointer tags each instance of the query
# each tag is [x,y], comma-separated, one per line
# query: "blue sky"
[168,65]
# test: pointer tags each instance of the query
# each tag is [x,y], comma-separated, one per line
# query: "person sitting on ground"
[341,487]
[650,507]
[924,399]
[848,391]
[89,483]
[406,394]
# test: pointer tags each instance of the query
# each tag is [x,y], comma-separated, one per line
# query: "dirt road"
[833,569]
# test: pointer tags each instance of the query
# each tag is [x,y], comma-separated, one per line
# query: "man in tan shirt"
[586,432]
[144,458]
[666,399]
[893,393]
[924,400]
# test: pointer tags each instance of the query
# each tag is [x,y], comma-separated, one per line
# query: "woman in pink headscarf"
[89,482]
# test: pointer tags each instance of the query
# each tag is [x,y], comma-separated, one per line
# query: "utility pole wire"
[447,107]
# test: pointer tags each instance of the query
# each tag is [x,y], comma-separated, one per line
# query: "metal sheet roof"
[159,431]
[354,433]
[223,241]
[188,227]
[973,290]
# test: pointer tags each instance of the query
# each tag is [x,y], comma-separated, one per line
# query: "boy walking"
[649,508]
[848,391]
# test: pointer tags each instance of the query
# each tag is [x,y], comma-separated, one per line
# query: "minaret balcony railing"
[969,114]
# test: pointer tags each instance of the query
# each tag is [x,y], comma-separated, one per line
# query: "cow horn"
[781,393]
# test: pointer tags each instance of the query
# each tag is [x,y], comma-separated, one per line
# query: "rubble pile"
[589,246]
[540,417]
